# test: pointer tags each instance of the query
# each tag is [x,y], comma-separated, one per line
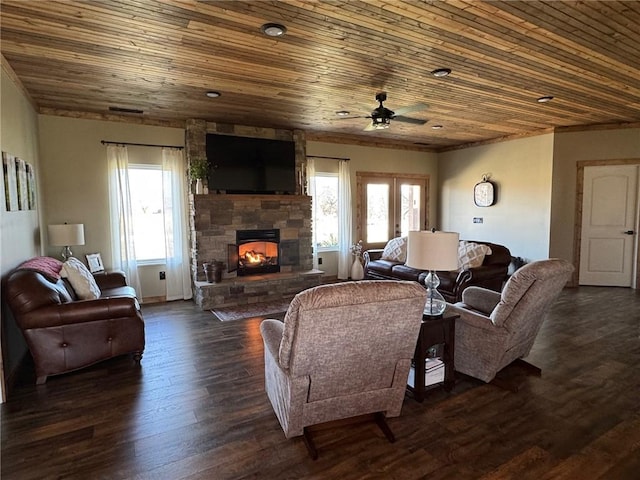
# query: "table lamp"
[65,236]
[432,250]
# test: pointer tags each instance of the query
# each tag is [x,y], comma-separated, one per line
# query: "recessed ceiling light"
[437,127]
[213,94]
[441,72]
[273,29]
[545,99]
[343,113]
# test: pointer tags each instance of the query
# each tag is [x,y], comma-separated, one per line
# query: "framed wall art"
[10,182]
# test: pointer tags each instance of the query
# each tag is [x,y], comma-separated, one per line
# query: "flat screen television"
[251,165]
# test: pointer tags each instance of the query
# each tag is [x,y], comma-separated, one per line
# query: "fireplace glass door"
[257,251]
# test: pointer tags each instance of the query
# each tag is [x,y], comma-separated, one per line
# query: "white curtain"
[174,194]
[344,220]
[311,191]
[123,252]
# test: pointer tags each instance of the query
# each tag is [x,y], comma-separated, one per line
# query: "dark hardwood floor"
[196,409]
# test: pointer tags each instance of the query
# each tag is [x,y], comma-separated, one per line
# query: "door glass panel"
[409,209]
[377,213]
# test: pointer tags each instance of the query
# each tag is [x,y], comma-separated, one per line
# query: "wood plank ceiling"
[160,56]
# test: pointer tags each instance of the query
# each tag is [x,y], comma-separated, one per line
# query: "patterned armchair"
[496,329]
[343,350]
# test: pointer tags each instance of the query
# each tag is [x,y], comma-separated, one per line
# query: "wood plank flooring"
[196,409]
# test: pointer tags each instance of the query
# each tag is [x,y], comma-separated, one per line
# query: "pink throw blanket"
[47,266]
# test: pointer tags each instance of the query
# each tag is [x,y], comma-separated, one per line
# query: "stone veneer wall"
[214,218]
[217,217]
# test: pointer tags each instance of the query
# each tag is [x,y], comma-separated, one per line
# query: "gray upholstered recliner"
[496,329]
[344,350]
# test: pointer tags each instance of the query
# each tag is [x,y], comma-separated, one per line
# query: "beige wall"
[19,230]
[569,149]
[522,171]
[369,159]
[75,182]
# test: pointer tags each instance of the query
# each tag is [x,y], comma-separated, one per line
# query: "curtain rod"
[107,142]
[328,158]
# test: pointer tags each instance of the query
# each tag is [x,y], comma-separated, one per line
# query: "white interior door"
[609,219]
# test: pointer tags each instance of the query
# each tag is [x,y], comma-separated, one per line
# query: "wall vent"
[125,110]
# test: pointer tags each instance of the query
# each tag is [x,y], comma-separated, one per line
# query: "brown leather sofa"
[491,274]
[64,333]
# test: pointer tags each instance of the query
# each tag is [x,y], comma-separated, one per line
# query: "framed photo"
[94,260]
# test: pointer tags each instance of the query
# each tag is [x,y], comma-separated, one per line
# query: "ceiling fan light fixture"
[545,99]
[343,113]
[213,94]
[441,72]
[273,29]
[380,123]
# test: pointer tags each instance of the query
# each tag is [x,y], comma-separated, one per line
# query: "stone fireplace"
[215,220]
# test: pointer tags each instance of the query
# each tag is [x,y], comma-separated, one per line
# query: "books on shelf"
[433,372]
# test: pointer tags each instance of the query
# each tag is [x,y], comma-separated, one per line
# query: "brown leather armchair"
[64,333]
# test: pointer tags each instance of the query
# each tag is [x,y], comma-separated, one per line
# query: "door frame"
[577,229]
[359,194]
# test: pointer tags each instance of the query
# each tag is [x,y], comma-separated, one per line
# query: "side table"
[435,331]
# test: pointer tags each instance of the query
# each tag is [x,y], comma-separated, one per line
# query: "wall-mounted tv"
[251,165]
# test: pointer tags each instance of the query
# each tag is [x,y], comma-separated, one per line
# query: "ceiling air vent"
[125,110]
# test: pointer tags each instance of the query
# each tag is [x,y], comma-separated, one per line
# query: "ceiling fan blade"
[411,108]
[415,121]
[369,127]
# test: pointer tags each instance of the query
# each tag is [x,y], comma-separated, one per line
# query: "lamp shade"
[428,250]
[66,235]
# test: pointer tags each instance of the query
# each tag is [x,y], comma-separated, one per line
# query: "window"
[325,211]
[145,183]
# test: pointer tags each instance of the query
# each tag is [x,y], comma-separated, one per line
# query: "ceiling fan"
[381,116]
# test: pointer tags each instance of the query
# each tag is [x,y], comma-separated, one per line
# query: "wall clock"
[484,193]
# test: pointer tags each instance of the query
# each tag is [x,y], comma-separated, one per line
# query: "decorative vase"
[199,187]
[357,270]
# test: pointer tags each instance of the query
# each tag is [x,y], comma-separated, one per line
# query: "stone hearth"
[254,289]
[215,220]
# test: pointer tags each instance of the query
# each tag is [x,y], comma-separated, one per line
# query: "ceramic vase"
[199,187]
[357,270]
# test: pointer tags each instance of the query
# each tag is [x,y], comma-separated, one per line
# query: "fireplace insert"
[255,252]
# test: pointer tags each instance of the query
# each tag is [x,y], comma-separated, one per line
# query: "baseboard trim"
[158,299]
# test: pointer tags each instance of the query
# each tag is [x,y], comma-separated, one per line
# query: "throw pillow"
[471,255]
[395,250]
[80,279]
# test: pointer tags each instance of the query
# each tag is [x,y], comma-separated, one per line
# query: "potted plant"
[198,170]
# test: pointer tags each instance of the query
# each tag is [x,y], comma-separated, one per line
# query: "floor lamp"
[65,236]
[432,250]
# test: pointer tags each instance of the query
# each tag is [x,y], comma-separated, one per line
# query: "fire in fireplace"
[256,251]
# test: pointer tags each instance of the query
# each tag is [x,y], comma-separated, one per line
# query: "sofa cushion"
[80,279]
[403,272]
[471,254]
[382,267]
[395,250]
